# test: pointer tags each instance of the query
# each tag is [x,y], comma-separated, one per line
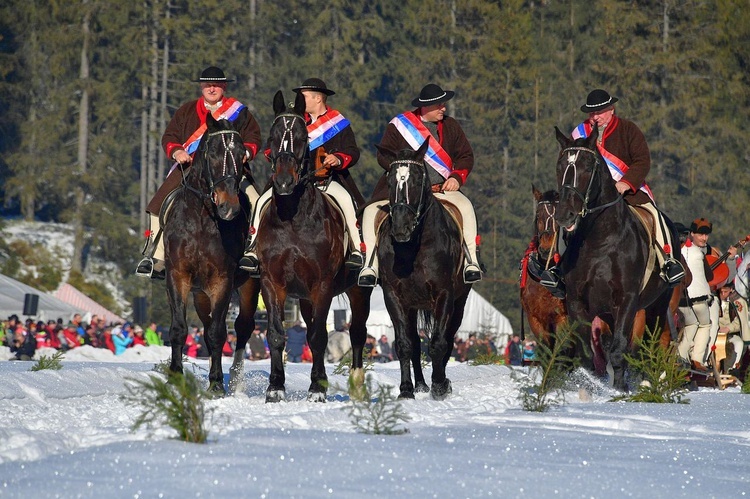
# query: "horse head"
[577,167]
[287,143]
[545,226]
[409,190]
[223,153]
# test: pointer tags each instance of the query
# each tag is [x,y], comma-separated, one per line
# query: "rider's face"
[603,117]
[434,112]
[213,92]
[700,240]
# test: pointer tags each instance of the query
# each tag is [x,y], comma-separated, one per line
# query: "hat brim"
[212,80]
[447,95]
[313,88]
[593,109]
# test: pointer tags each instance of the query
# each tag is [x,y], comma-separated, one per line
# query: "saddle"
[452,211]
[654,254]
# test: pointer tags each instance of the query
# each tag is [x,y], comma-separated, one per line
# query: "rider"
[331,139]
[624,148]
[180,141]
[451,159]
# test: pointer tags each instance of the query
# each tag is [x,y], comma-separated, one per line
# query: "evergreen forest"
[89,85]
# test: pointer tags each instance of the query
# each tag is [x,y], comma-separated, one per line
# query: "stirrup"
[367,278]
[250,263]
[355,260]
[146,269]
[673,272]
[551,280]
[472,273]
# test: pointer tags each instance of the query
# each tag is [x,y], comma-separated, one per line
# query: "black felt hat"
[597,100]
[212,74]
[314,85]
[432,94]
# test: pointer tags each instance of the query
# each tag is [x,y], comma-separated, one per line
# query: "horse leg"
[243,326]
[623,323]
[405,329]
[274,297]
[441,345]
[359,300]
[177,293]
[317,339]
[420,385]
[214,310]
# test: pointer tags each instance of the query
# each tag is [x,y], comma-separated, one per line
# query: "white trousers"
[696,333]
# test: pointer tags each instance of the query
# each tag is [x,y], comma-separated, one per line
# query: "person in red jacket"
[450,158]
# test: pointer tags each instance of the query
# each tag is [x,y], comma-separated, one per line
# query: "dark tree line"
[88,86]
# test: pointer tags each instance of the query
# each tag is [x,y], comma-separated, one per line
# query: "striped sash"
[325,128]
[415,133]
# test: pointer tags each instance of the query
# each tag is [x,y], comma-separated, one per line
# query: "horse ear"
[386,154]
[278,103]
[299,104]
[537,193]
[562,139]
[591,139]
[423,149]
[211,123]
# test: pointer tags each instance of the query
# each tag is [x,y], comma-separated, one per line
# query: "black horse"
[301,250]
[420,252]
[204,238]
[607,255]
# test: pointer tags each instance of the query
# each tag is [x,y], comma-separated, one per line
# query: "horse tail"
[426,321]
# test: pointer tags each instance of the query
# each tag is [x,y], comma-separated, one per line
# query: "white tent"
[479,317]
[12,294]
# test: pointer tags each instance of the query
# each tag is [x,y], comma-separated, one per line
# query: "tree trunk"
[76,263]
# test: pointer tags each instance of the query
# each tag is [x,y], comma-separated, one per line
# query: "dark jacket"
[451,138]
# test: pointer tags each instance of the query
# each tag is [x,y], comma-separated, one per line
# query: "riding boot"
[249,260]
[553,281]
[152,264]
[672,270]
[368,276]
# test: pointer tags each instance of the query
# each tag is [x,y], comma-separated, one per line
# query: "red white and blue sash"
[414,132]
[325,128]
[617,167]
[229,110]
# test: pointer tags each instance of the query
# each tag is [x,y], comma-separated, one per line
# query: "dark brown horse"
[607,256]
[420,252]
[204,238]
[301,250]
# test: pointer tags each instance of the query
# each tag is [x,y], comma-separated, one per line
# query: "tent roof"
[12,295]
[69,294]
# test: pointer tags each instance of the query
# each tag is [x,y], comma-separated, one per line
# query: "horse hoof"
[406,395]
[421,387]
[316,397]
[216,390]
[441,390]
[275,395]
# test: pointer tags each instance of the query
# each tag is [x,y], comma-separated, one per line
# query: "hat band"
[434,98]
[212,79]
[602,104]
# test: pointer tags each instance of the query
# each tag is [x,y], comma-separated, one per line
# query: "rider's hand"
[451,185]
[182,157]
[331,161]
[622,187]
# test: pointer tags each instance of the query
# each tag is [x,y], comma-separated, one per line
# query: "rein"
[401,186]
[550,220]
[572,160]
[286,146]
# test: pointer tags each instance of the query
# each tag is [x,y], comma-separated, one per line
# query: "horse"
[545,312]
[420,250]
[607,256]
[204,239]
[301,250]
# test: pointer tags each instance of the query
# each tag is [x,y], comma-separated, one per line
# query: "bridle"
[550,227]
[572,167]
[286,145]
[401,169]
[230,169]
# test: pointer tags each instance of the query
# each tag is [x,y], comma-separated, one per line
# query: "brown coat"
[185,121]
[451,137]
[625,140]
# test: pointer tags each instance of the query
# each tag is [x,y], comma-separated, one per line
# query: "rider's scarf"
[414,132]
[617,167]
[229,110]
[325,128]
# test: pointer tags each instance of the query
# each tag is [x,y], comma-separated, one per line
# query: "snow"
[66,434]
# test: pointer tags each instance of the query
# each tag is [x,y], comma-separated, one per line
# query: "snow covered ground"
[66,434]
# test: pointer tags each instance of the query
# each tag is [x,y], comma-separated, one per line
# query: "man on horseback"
[624,148]
[180,141]
[333,148]
[451,159]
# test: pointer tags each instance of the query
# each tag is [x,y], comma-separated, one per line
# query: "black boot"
[146,269]
[250,263]
[355,260]
[551,279]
